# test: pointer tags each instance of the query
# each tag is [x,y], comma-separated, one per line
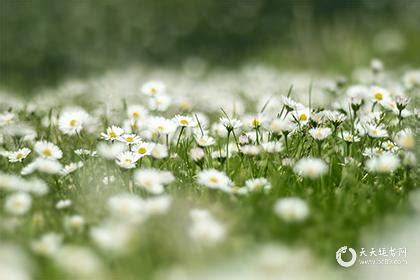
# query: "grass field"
[195,174]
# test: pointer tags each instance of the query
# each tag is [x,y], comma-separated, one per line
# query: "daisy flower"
[153,180]
[159,151]
[291,209]
[311,167]
[127,159]
[205,230]
[385,163]
[320,133]
[349,137]
[71,122]
[85,152]
[184,121]
[336,118]
[136,112]
[389,146]
[405,139]
[376,131]
[7,118]
[204,140]
[254,122]
[110,151]
[197,154]
[290,104]
[153,88]
[69,168]
[272,147]
[143,148]
[214,179]
[126,206]
[44,165]
[257,184]
[378,94]
[48,150]
[161,126]
[48,245]
[230,124]
[160,103]
[302,116]
[129,139]
[18,203]
[112,133]
[64,203]
[19,155]
[281,125]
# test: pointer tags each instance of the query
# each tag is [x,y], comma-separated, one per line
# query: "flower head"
[311,167]
[48,150]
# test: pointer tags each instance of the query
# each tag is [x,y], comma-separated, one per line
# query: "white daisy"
[291,209]
[153,88]
[112,133]
[48,150]
[18,203]
[311,167]
[320,133]
[257,184]
[19,155]
[71,122]
[405,139]
[205,230]
[137,112]
[272,147]
[385,163]
[184,121]
[204,140]
[153,180]
[44,165]
[214,179]
[230,124]
[110,151]
[161,126]
[69,168]
[159,103]
[302,116]
[127,159]
[143,148]
[375,131]
[159,151]
[349,137]
[129,139]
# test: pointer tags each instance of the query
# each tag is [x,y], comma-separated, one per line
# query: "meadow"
[248,174]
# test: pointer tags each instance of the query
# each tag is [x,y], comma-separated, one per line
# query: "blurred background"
[44,42]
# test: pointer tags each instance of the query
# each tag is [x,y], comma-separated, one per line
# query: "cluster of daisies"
[153,146]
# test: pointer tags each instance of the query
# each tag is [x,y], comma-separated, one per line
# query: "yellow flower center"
[135,115]
[183,122]
[153,90]
[19,156]
[160,128]
[73,122]
[129,139]
[47,152]
[256,123]
[214,179]
[112,134]
[379,96]
[303,117]
[142,150]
